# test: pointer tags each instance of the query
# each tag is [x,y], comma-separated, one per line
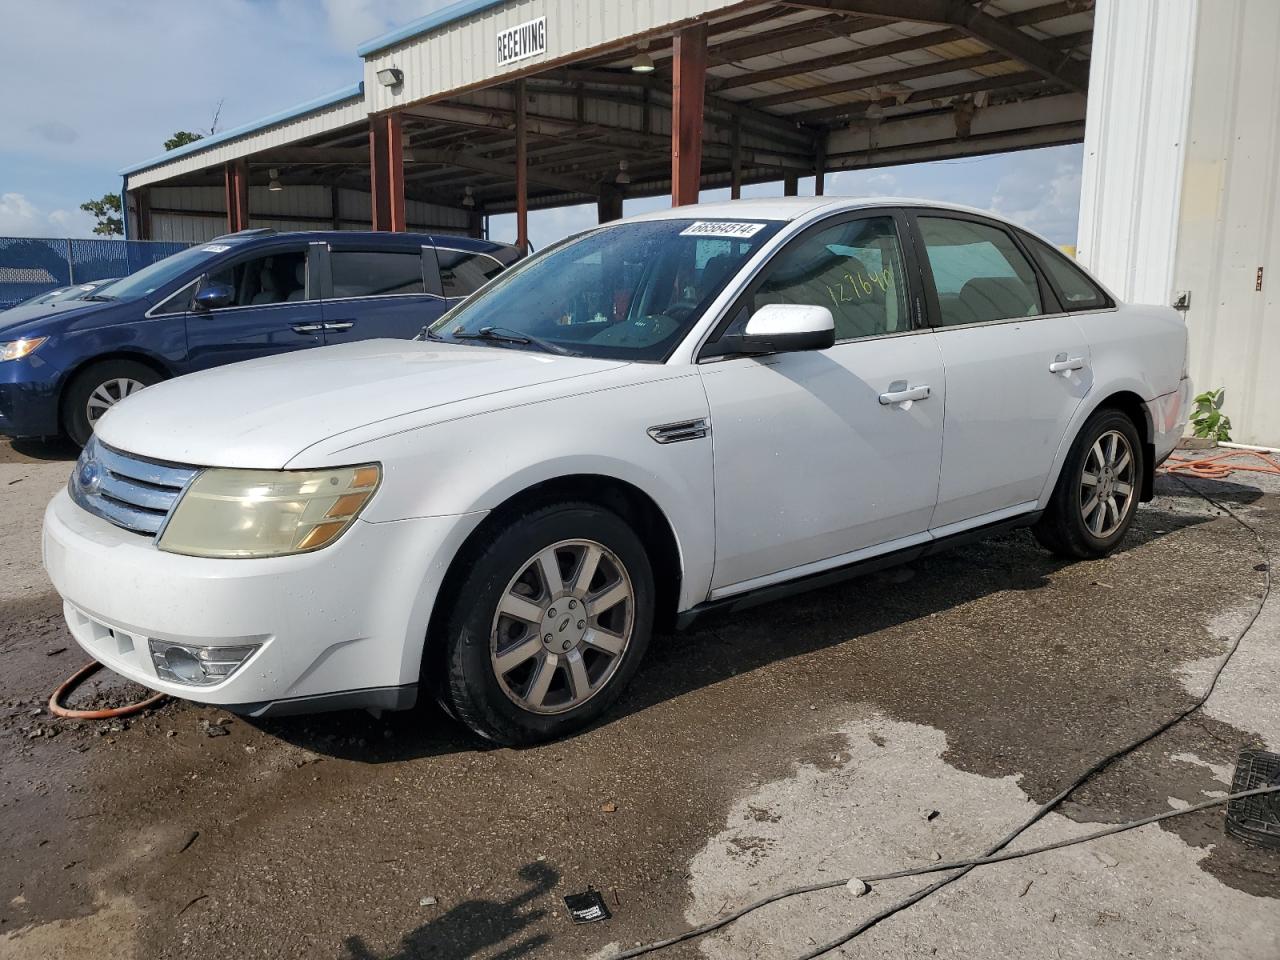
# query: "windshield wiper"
[100,297]
[507,335]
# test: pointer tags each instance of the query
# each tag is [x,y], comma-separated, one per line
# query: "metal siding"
[187,228]
[324,120]
[463,53]
[1230,220]
[1139,93]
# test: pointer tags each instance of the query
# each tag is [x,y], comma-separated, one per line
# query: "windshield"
[630,291]
[151,278]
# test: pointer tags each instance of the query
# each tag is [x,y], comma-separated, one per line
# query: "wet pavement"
[798,741]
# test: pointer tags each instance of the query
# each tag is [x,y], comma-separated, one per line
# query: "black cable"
[991,855]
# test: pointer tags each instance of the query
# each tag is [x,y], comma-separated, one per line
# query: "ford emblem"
[90,476]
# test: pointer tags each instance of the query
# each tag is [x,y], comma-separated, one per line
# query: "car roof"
[793,208]
[377,237]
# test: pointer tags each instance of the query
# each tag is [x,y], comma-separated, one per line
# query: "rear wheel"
[1098,490]
[549,625]
[95,390]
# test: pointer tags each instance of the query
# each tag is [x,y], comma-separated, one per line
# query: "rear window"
[1076,290]
[462,273]
[370,273]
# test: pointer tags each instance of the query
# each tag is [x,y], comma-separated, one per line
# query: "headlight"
[267,513]
[17,349]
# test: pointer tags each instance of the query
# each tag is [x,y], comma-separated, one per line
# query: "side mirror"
[782,328]
[212,296]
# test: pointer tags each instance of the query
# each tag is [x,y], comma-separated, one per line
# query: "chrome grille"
[128,491]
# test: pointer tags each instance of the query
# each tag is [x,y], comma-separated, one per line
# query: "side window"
[462,273]
[1078,291]
[277,277]
[979,273]
[375,273]
[854,269]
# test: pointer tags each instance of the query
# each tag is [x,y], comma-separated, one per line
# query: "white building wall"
[1181,183]
[1229,225]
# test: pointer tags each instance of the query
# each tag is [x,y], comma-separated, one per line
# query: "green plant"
[1209,421]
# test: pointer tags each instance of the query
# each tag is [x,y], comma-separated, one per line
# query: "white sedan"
[704,407]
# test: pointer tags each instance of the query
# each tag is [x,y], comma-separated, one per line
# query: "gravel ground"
[802,740]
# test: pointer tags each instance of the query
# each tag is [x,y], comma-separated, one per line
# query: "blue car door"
[273,308]
[377,290]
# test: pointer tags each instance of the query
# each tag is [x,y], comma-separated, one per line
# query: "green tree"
[107,212]
[181,139]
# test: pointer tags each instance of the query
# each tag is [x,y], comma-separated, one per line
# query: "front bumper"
[28,408]
[340,627]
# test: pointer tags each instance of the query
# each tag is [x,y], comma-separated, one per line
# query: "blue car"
[249,294]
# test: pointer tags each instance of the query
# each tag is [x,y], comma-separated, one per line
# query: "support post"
[386,172]
[143,198]
[522,169]
[335,209]
[688,87]
[475,223]
[235,174]
[608,204]
[820,166]
[790,185]
[735,161]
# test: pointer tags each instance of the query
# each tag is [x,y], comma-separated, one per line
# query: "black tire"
[470,687]
[75,400]
[1062,529]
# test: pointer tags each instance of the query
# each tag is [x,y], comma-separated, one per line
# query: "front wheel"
[549,624]
[95,390]
[1098,490]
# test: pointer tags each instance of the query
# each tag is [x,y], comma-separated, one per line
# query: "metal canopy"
[792,90]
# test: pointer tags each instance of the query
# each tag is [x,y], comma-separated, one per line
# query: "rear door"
[376,290]
[275,307]
[1017,366]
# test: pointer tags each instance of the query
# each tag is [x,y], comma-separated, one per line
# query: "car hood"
[263,413]
[19,321]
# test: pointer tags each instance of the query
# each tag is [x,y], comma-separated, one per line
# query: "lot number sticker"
[727,228]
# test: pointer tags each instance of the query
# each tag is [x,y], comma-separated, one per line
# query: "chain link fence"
[30,266]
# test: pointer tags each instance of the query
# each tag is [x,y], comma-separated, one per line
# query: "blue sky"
[102,83]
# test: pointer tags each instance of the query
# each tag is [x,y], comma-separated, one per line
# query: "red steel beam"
[688,87]
[235,175]
[386,173]
[522,169]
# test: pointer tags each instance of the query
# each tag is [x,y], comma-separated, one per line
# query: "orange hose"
[73,681]
[1217,466]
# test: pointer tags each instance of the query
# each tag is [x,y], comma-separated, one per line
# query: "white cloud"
[19,217]
[1042,194]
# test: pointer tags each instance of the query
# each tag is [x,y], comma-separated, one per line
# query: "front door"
[821,456]
[379,292]
[1017,367]
[274,309]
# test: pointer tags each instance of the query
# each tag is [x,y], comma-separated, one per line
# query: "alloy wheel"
[562,626]
[1107,484]
[107,395]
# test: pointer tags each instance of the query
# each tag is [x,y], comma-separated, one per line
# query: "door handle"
[1064,364]
[339,325]
[899,392]
[308,327]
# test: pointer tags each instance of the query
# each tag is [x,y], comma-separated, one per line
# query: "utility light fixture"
[391,76]
[274,184]
[623,176]
[468,200]
[643,63]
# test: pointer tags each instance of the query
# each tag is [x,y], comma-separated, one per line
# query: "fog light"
[198,666]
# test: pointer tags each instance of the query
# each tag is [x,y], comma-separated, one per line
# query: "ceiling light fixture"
[623,176]
[468,200]
[642,63]
[391,76]
[274,184]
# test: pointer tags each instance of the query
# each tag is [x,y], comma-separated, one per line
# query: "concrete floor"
[803,740]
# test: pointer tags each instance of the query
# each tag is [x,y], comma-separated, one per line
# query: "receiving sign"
[522,42]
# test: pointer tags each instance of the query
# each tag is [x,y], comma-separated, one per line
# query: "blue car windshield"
[630,291]
[151,278]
